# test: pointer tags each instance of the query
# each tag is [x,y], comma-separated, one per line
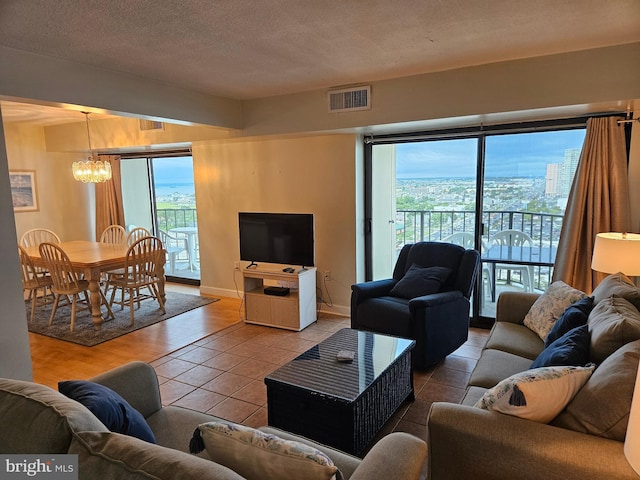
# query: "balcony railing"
[169,218]
[544,229]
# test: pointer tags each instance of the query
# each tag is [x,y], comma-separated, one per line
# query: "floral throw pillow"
[261,456]
[539,394]
[548,308]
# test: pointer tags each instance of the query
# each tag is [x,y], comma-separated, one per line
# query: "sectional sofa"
[584,440]
[35,419]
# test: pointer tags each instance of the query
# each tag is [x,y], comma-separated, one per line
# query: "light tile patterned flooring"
[223,374]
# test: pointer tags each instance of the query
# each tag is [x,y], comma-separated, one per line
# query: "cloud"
[513,155]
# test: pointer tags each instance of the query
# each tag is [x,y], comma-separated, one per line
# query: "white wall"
[315,174]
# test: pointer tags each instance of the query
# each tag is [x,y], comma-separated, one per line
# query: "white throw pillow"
[261,456]
[546,310]
[539,394]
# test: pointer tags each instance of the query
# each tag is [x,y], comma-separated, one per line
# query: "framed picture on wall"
[23,190]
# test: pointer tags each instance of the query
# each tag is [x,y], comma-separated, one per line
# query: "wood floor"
[55,360]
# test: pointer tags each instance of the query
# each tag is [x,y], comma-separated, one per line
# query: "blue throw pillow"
[570,350]
[110,408]
[574,316]
[419,281]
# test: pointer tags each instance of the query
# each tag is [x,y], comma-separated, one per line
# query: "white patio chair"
[515,238]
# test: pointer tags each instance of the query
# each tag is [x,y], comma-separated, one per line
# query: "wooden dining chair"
[142,264]
[33,281]
[36,236]
[114,234]
[136,234]
[66,281]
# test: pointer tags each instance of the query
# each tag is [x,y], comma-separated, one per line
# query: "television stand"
[294,311]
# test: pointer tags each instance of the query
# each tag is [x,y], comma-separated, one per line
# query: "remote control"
[345,356]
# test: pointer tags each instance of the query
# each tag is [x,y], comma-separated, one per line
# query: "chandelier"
[91,170]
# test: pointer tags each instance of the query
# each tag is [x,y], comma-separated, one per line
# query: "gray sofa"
[37,419]
[469,442]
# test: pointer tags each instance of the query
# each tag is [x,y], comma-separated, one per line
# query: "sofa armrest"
[345,462]
[397,455]
[513,306]
[466,442]
[137,383]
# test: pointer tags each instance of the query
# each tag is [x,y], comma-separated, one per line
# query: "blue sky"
[513,155]
[173,170]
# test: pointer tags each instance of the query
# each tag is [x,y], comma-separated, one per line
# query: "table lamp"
[617,252]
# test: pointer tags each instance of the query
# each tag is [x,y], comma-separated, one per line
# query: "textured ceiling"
[248,49]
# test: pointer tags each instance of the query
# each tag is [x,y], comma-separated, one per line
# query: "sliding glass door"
[159,194]
[502,191]
[526,186]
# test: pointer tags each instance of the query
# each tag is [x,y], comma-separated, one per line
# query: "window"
[470,188]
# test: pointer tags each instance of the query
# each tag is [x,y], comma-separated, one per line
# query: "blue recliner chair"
[427,300]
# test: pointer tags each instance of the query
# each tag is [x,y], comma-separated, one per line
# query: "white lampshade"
[632,440]
[617,252]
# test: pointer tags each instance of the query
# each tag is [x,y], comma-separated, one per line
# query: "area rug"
[84,333]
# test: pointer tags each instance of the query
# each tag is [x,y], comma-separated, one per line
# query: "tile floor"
[222,374]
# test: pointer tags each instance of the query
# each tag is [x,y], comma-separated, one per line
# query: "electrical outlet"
[327,275]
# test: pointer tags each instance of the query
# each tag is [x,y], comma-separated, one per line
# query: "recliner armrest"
[376,288]
[364,291]
[434,299]
[137,383]
[469,443]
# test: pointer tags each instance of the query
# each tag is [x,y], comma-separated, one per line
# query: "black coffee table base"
[346,424]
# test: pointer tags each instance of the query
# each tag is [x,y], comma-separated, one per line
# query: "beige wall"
[58,82]
[467,96]
[65,205]
[15,357]
[297,175]
[634,175]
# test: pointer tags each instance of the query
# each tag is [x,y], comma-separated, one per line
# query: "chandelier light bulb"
[90,170]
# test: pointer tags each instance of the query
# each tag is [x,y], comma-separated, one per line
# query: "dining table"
[92,259]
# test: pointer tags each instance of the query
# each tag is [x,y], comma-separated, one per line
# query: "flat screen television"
[285,238]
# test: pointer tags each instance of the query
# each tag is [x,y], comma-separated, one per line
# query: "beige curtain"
[109,209]
[598,202]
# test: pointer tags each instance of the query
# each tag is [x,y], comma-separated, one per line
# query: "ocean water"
[169,188]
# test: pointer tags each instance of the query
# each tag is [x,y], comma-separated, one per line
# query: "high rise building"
[571,157]
[552,179]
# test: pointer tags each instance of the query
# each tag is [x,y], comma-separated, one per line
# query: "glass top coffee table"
[342,404]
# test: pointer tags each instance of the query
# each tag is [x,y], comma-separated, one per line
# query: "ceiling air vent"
[150,125]
[350,99]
